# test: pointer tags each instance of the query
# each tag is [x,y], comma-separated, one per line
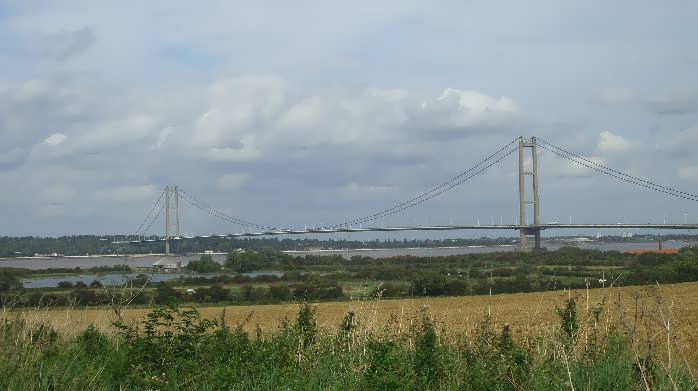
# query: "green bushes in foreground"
[174,348]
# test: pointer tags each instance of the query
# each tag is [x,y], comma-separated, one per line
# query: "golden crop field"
[663,314]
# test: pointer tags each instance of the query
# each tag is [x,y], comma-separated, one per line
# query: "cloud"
[689,172]
[55,139]
[12,157]
[677,101]
[568,169]
[127,193]
[68,43]
[58,193]
[465,109]
[227,154]
[51,210]
[357,191]
[679,144]
[615,96]
[138,107]
[112,143]
[232,181]
[667,102]
[252,118]
[609,142]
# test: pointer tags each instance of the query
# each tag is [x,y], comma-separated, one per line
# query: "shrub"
[427,359]
[388,367]
[569,326]
[92,342]
[9,281]
[306,325]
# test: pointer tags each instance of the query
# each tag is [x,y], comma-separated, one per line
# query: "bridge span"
[501,227]
[528,198]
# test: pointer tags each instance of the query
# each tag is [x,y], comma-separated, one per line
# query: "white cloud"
[464,109]
[609,142]
[55,139]
[162,137]
[256,117]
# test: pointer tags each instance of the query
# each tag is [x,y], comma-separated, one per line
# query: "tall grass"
[174,348]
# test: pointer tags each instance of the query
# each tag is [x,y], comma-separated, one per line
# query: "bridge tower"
[526,229]
[170,193]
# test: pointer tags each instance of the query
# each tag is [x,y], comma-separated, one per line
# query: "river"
[134,261]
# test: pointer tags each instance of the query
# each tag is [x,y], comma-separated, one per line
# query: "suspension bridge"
[170,200]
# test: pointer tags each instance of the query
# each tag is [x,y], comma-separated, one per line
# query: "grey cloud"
[667,102]
[266,150]
[68,43]
[12,158]
[262,131]
[674,102]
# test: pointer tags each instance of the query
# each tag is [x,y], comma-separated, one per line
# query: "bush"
[306,325]
[569,326]
[166,294]
[9,281]
[388,367]
[65,284]
[427,358]
[92,342]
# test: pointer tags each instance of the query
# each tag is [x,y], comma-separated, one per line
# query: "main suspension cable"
[598,167]
[149,215]
[153,220]
[435,191]
[197,203]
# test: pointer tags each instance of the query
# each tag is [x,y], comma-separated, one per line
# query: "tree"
[9,281]
[205,264]
[165,294]
[65,284]
[244,262]
[429,285]
[279,292]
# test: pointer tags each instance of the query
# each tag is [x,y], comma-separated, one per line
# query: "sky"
[308,113]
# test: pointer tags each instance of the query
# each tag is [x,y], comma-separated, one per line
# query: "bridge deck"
[278,232]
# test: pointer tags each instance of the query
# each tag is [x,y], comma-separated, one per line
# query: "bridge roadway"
[529,228]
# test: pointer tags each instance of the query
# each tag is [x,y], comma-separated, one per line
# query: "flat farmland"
[526,313]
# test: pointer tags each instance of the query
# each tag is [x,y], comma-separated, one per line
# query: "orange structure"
[653,251]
